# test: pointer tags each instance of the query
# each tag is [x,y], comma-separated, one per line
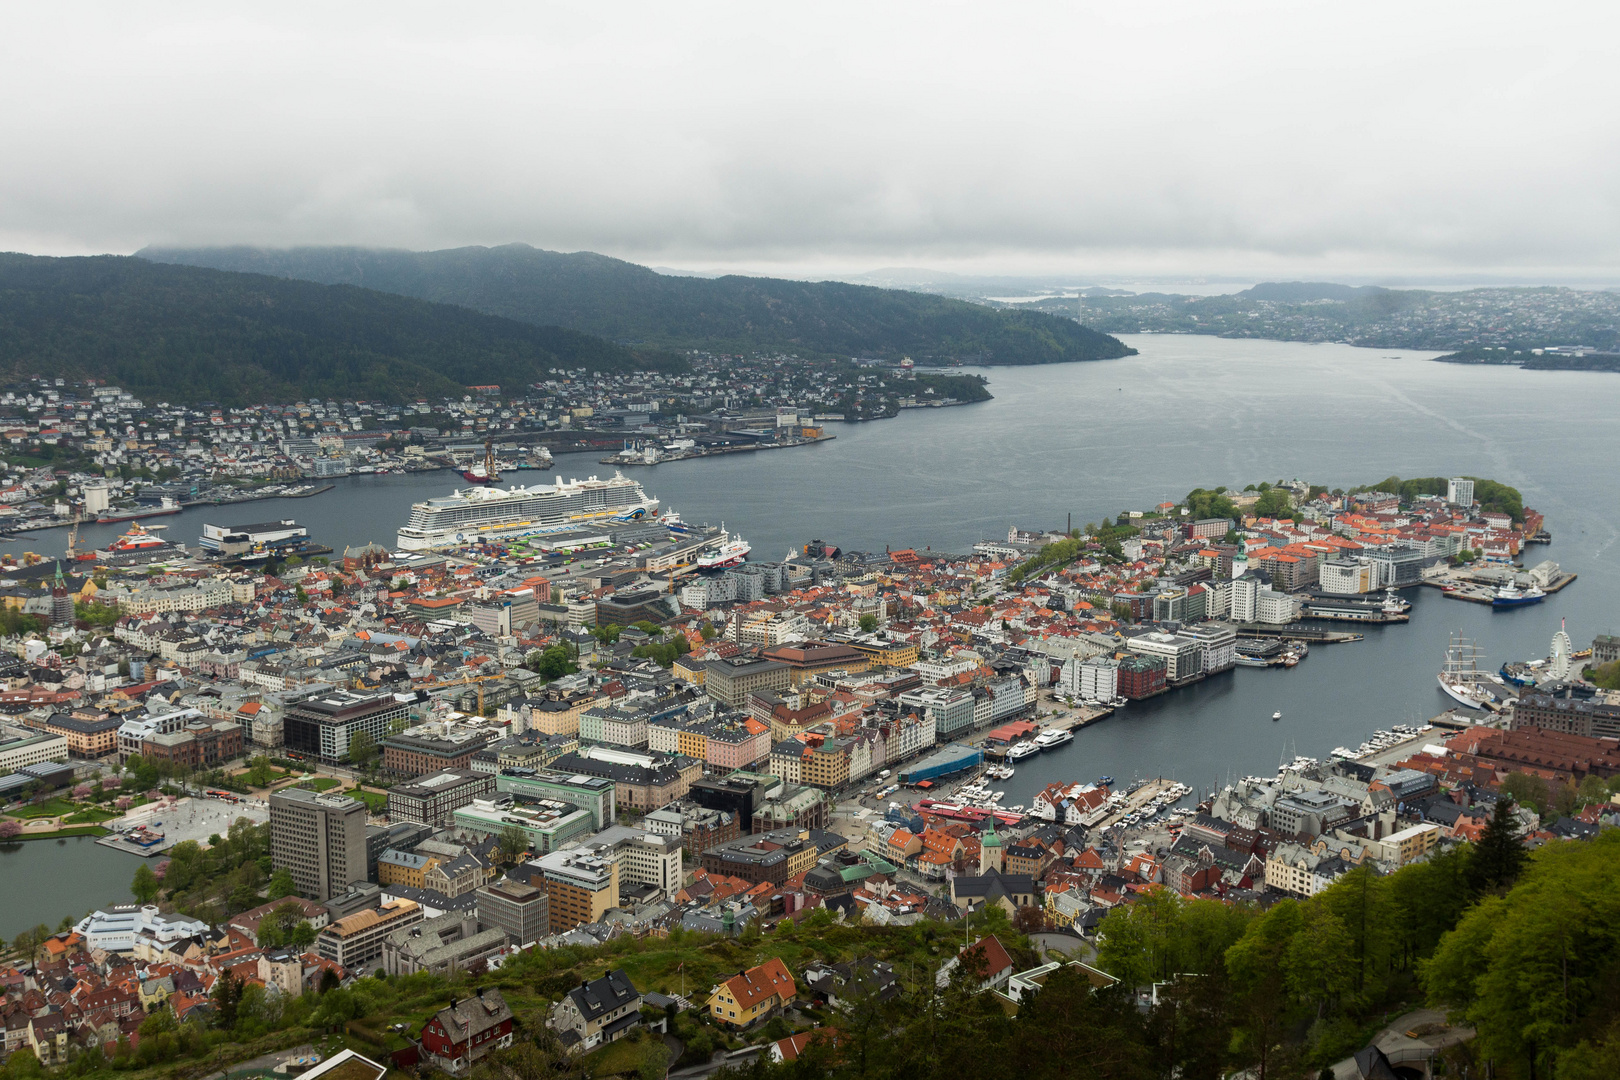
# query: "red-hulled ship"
[486,473]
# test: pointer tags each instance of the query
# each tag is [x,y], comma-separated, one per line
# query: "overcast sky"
[1097,140]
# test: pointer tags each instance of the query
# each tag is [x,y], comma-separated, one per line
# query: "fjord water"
[1096,438]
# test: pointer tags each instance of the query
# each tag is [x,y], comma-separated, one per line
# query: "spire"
[60,580]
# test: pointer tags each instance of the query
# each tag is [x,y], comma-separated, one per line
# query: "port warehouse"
[945,762]
[269,533]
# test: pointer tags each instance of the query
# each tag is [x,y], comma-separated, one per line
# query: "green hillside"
[629,303]
[183,333]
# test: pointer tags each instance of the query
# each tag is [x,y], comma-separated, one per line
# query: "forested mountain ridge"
[183,333]
[625,302]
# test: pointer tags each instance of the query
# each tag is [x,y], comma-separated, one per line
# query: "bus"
[226,795]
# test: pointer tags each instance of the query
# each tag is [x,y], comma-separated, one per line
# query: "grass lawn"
[48,808]
[89,816]
[616,1058]
[376,801]
[325,783]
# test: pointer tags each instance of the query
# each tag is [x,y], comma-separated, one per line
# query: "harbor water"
[1094,439]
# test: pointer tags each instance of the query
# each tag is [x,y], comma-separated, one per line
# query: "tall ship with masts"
[1461,677]
[465,515]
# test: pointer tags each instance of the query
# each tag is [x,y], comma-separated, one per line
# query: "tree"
[1321,967]
[227,996]
[281,884]
[513,842]
[1495,862]
[1592,790]
[1257,966]
[362,749]
[869,623]
[261,773]
[1533,970]
[1531,791]
[10,830]
[146,886]
[555,662]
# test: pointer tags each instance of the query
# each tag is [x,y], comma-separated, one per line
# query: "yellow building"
[686,669]
[404,868]
[753,994]
[694,743]
[827,765]
[888,653]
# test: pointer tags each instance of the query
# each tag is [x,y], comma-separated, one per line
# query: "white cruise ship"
[465,515]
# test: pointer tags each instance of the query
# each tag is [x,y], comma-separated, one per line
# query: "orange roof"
[791,1047]
[770,979]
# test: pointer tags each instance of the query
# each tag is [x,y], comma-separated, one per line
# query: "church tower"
[990,853]
[61,600]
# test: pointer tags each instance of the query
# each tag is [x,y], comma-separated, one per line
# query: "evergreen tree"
[1495,862]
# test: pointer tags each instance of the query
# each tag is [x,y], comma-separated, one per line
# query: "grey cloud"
[1205,137]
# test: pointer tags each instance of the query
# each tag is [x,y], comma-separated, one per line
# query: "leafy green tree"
[146,886]
[1263,1007]
[513,842]
[1426,899]
[555,661]
[261,773]
[281,884]
[1592,790]
[1531,791]
[1320,961]
[1357,898]
[869,623]
[1533,969]
[362,750]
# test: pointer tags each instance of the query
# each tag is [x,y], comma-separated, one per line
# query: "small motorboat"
[1276,716]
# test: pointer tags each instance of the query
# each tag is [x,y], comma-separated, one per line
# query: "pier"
[1296,632]
[714,451]
[1470,589]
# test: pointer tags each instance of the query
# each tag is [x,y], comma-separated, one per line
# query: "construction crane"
[73,536]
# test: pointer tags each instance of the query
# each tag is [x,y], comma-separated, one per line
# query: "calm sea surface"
[1092,440]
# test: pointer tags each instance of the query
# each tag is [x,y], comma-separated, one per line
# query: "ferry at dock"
[729,550]
[469,514]
[1051,738]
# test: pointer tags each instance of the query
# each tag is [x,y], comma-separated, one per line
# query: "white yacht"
[1022,750]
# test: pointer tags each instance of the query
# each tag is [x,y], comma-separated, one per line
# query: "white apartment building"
[1345,577]
[1253,602]
[23,746]
[644,858]
[133,733]
[1275,607]
[1095,678]
[932,671]
[1182,656]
